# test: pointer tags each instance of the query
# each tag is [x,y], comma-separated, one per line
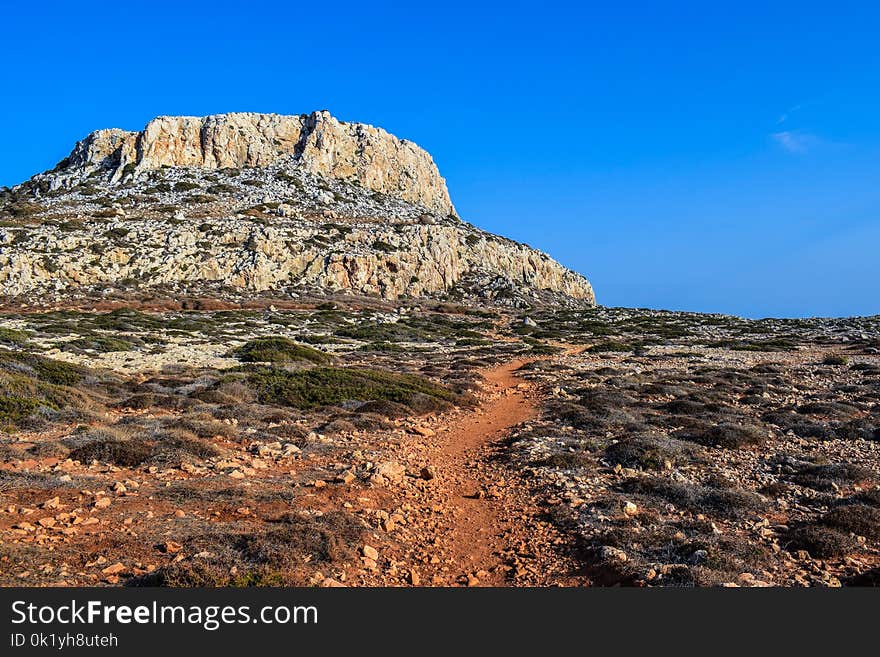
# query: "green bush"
[330,385]
[604,347]
[46,370]
[277,349]
[14,409]
[14,337]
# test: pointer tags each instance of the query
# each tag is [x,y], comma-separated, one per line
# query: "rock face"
[259,203]
[413,260]
[316,143]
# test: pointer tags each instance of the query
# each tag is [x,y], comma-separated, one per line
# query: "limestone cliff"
[259,203]
[316,143]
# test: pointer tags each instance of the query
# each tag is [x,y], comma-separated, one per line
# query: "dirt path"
[489,530]
[478,538]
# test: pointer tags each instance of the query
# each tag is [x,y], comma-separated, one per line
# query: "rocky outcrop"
[367,259]
[317,143]
[263,203]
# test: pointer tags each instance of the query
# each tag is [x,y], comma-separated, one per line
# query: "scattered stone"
[609,553]
[52,503]
[346,477]
[114,569]
[391,470]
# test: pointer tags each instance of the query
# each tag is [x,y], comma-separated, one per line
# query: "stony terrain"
[237,204]
[256,350]
[373,443]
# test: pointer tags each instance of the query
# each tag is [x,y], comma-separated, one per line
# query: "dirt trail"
[479,534]
[490,532]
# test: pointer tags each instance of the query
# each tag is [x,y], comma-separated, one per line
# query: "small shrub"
[122,452]
[50,371]
[384,408]
[331,386]
[611,346]
[276,349]
[120,232]
[14,409]
[201,198]
[859,519]
[824,477]
[331,537]
[650,452]
[728,502]
[172,444]
[12,337]
[820,542]
[101,344]
[729,436]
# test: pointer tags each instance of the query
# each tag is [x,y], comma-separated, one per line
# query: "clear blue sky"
[700,156]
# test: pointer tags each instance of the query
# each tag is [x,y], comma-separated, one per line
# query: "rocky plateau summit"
[246,203]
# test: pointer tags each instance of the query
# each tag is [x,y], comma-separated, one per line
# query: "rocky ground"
[370,443]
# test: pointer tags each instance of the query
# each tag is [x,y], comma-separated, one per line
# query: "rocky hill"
[259,203]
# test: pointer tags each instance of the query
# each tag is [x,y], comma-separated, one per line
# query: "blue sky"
[685,156]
